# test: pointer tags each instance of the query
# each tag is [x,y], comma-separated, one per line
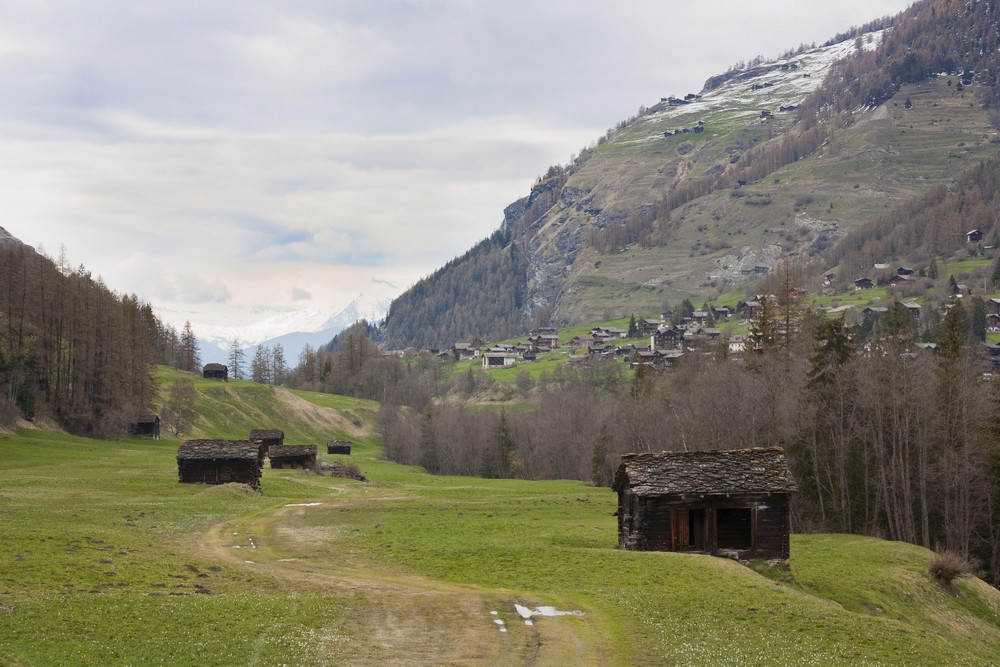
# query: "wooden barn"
[147,425]
[215,372]
[293,456]
[220,461]
[338,447]
[727,503]
[268,437]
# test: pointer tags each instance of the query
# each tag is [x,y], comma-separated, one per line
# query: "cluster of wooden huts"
[242,461]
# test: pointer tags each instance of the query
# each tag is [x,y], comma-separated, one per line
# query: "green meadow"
[105,559]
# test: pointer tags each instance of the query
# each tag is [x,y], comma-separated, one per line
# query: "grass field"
[106,559]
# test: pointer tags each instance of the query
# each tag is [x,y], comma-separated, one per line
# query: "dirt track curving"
[397,618]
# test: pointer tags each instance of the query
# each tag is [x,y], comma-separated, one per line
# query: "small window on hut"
[734,529]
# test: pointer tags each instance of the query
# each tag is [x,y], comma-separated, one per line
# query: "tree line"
[73,350]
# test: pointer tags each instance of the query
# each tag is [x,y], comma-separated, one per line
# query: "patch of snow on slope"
[774,87]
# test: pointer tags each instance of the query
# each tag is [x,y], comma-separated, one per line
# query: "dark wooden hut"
[338,447]
[268,437]
[220,461]
[215,372]
[726,503]
[147,425]
[293,456]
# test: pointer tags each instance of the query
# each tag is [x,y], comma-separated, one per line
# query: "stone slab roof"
[266,433]
[280,451]
[218,449]
[716,472]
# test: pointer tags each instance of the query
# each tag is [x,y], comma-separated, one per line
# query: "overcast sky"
[224,158]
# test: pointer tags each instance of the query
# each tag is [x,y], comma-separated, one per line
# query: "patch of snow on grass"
[527,613]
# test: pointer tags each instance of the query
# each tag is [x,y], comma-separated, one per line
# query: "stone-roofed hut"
[726,503]
[339,447]
[293,456]
[219,462]
[146,425]
[268,437]
[215,371]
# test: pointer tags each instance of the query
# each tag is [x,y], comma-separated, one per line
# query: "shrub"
[946,566]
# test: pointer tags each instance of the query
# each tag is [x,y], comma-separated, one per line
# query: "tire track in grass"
[397,618]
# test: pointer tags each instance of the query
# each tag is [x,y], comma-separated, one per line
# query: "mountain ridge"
[693,195]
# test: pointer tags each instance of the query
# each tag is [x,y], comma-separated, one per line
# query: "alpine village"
[722,390]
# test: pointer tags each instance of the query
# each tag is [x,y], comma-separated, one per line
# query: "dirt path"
[397,618]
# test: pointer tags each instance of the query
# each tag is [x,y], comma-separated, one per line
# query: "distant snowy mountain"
[292,329]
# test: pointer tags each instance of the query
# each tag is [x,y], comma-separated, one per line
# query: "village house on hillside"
[220,462]
[727,503]
[498,359]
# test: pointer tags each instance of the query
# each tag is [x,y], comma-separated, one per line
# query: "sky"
[230,160]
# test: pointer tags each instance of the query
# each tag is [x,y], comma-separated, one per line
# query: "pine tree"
[979,318]
[190,359]
[279,367]
[260,366]
[954,331]
[236,359]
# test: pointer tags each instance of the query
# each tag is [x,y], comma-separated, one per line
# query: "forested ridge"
[479,293]
[932,225]
[73,350]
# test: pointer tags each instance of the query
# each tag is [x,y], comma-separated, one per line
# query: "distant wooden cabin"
[338,447]
[215,372]
[268,437]
[726,503]
[147,426]
[974,236]
[219,462]
[293,456]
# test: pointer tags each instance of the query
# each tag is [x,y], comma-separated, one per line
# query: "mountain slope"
[778,159]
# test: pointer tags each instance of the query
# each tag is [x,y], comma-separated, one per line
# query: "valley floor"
[107,560]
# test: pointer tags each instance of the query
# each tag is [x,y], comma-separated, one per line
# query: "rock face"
[624,184]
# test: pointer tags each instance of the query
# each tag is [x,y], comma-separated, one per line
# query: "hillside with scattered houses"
[701,193]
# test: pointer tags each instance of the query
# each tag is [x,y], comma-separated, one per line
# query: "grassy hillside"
[106,559]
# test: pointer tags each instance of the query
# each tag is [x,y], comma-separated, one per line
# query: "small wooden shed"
[723,502]
[215,372]
[268,437]
[338,447]
[293,456]
[219,462]
[147,425]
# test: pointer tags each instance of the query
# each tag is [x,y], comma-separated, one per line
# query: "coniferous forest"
[74,351]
